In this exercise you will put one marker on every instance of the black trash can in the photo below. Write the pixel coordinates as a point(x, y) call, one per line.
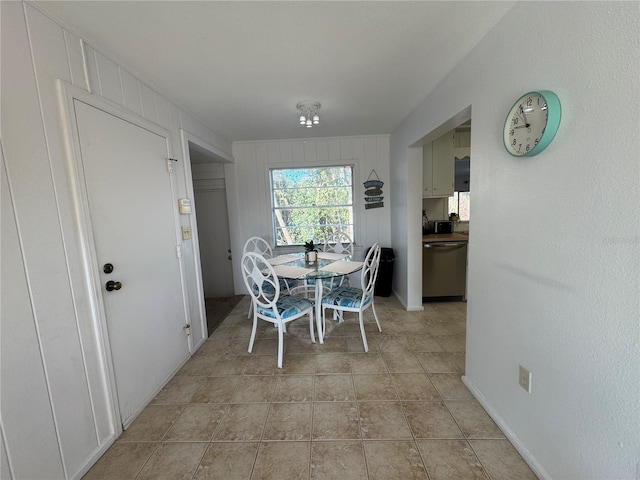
point(385, 273)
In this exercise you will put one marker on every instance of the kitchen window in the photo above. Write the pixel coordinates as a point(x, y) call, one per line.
point(311, 203)
point(460, 203)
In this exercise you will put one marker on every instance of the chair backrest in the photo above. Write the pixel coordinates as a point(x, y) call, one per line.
point(258, 245)
point(370, 270)
point(339, 242)
point(260, 279)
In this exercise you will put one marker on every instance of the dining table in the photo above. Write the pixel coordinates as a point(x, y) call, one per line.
point(328, 266)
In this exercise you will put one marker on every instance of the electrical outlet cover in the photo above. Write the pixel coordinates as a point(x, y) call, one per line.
point(525, 379)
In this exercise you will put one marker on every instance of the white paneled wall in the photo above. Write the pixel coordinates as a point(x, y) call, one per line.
point(251, 174)
point(55, 399)
point(27, 420)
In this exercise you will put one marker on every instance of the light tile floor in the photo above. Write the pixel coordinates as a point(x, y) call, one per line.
point(333, 412)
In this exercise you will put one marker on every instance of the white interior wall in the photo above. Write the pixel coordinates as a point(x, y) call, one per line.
point(47, 309)
point(250, 185)
point(553, 265)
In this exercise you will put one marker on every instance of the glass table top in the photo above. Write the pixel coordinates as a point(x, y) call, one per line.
point(317, 271)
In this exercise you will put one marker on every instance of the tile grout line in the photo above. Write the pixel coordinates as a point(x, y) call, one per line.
point(232, 352)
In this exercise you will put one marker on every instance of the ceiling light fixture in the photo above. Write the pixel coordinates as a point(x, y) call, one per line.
point(309, 113)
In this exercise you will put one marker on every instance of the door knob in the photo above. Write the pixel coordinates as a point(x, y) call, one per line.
point(111, 285)
point(229, 257)
point(107, 268)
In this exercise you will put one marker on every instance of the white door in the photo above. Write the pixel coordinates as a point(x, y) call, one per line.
point(132, 219)
point(215, 243)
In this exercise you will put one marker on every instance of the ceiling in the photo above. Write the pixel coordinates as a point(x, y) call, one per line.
point(241, 67)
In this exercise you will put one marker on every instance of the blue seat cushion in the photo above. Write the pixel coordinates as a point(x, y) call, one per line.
point(287, 282)
point(284, 283)
point(287, 306)
point(349, 297)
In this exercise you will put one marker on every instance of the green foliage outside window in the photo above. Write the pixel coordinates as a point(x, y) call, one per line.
point(311, 203)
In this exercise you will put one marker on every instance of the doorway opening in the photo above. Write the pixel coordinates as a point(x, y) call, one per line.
point(445, 154)
point(211, 232)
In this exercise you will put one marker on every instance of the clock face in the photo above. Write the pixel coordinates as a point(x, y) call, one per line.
point(531, 123)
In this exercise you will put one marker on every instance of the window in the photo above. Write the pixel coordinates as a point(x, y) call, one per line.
point(311, 203)
point(459, 204)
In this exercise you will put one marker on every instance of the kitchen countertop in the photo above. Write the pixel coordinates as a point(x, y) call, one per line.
point(445, 237)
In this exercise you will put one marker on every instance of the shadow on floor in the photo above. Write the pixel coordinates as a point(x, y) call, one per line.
point(218, 309)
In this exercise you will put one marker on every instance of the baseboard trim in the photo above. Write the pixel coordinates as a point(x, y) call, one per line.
point(512, 437)
point(416, 308)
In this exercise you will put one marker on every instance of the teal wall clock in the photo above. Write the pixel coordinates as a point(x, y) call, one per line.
point(531, 123)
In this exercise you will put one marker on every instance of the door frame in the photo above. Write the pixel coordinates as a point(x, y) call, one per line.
point(221, 157)
point(90, 277)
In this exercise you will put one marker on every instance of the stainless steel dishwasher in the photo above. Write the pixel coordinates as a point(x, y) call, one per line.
point(444, 269)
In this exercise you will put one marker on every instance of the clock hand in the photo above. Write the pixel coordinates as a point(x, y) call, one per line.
point(521, 115)
point(524, 116)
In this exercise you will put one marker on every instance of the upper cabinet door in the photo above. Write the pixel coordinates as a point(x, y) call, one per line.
point(427, 170)
point(438, 167)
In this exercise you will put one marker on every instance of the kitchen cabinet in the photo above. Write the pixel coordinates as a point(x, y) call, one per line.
point(438, 167)
point(462, 159)
point(462, 156)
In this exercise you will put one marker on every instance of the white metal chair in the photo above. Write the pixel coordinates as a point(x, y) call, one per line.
point(268, 304)
point(351, 299)
point(261, 246)
point(339, 242)
point(258, 245)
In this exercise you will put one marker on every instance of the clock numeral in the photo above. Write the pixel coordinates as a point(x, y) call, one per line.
point(513, 142)
point(512, 132)
point(528, 146)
